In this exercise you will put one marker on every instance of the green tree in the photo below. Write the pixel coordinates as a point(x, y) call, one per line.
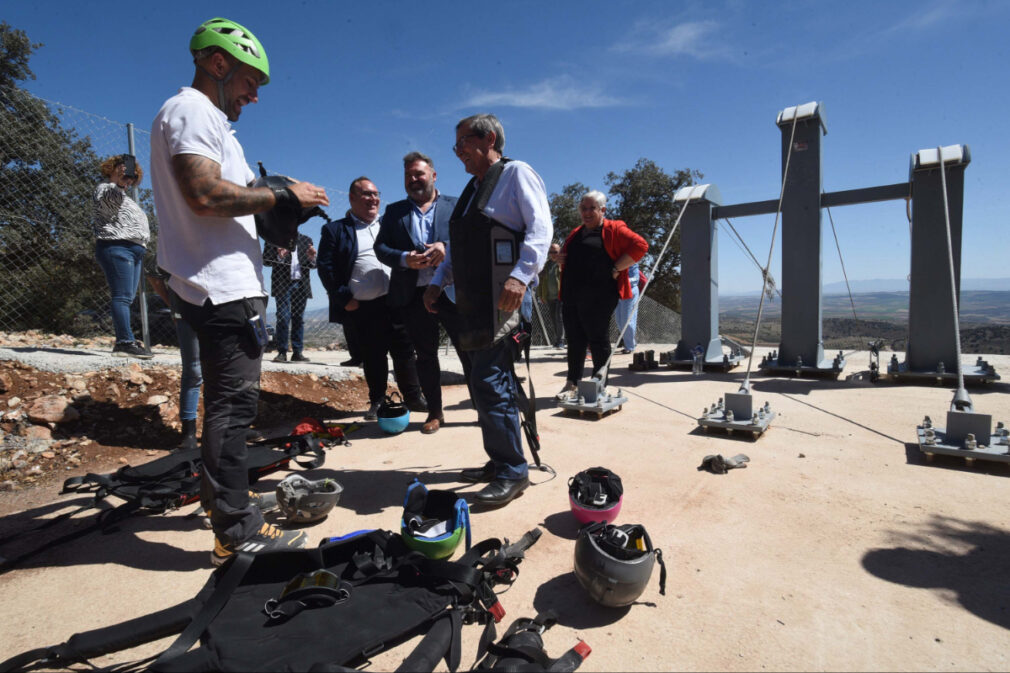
point(48, 174)
point(565, 210)
point(643, 197)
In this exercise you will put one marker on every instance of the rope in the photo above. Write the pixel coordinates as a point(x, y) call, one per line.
point(745, 387)
point(953, 285)
point(747, 250)
point(842, 262)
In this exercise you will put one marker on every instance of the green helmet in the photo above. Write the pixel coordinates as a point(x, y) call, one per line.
point(234, 39)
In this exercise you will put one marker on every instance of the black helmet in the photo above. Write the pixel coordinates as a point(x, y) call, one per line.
point(392, 414)
point(305, 501)
point(614, 563)
point(279, 225)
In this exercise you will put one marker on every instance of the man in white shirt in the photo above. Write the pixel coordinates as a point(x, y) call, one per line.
point(502, 222)
point(357, 283)
point(208, 244)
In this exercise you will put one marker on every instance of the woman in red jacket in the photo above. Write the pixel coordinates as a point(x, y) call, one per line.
point(594, 264)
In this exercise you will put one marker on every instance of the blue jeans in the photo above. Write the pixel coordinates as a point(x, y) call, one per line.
point(291, 309)
point(192, 375)
point(121, 261)
point(495, 395)
point(621, 316)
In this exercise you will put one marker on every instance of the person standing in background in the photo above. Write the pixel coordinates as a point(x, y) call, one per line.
point(291, 288)
point(121, 236)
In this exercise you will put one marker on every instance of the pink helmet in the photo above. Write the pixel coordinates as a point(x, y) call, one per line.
point(595, 494)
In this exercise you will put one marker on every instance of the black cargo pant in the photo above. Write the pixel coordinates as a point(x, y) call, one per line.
point(231, 359)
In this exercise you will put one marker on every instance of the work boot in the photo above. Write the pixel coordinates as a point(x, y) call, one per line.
point(298, 357)
point(269, 538)
point(282, 356)
point(188, 435)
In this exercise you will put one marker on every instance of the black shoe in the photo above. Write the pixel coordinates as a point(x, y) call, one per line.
point(419, 405)
point(188, 435)
point(353, 362)
point(373, 412)
point(478, 474)
point(282, 356)
point(501, 491)
point(298, 357)
point(131, 349)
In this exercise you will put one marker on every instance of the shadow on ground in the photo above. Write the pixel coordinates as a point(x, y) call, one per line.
point(952, 555)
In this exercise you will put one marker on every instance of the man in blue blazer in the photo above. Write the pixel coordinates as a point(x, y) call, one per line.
point(357, 284)
point(412, 241)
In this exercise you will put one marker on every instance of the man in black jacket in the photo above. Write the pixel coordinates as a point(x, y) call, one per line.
point(291, 288)
point(412, 242)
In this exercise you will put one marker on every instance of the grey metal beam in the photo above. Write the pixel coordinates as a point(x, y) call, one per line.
point(846, 197)
point(901, 190)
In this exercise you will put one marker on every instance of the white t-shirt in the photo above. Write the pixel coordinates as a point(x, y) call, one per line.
point(209, 257)
point(369, 276)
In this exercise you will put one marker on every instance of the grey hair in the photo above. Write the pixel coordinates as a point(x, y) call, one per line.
point(417, 156)
point(597, 196)
point(482, 124)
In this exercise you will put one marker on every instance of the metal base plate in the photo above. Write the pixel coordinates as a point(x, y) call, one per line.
point(592, 398)
point(737, 414)
point(938, 443)
point(824, 369)
point(727, 363)
point(979, 373)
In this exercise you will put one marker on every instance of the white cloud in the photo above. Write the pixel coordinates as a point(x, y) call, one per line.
point(696, 39)
point(556, 93)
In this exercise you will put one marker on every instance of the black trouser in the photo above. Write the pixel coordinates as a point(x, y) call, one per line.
point(587, 324)
point(422, 327)
point(230, 359)
point(557, 321)
point(381, 334)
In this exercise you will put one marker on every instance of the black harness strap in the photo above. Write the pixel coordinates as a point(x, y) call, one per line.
point(225, 586)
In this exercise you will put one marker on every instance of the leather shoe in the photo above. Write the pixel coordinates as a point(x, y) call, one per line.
point(353, 362)
point(282, 356)
point(431, 426)
point(297, 356)
point(478, 474)
point(501, 491)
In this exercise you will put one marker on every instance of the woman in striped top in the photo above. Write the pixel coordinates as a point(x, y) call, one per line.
point(122, 233)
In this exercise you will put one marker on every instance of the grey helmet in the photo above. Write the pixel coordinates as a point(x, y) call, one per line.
point(614, 563)
point(305, 501)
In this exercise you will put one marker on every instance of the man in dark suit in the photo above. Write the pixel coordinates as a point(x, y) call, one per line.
point(291, 288)
point(357, 284)
point(412, 242)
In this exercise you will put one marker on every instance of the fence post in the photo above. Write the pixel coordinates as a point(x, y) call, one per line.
point(142, 289)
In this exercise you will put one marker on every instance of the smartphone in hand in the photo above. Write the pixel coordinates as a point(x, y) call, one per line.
point(129, 166)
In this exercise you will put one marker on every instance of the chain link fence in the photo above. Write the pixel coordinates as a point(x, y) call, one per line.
point(49, 169)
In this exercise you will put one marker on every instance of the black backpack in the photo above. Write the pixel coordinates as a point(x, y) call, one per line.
point(312, 609)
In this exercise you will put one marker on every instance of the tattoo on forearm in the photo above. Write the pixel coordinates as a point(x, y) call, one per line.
point(207, 193)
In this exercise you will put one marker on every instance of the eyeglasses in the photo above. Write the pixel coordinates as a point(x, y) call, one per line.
point(369, 195)
point(459, 143)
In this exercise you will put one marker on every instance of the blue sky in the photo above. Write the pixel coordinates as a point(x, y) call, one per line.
point(585, 88)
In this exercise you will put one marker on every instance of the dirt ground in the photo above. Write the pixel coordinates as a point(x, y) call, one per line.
point(838, 548)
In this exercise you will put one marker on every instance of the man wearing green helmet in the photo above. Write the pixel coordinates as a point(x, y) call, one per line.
point(209, 245)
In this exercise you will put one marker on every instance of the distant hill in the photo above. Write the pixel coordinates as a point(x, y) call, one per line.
point(977, 307)
point(897, 285)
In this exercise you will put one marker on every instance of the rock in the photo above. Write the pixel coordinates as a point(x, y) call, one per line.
point(112, 392)
point(52, 409)
point(37, 432)
point(13, 402)
point(123, 460)
point(7, 485)
point(48, 454)
point(157, 400)
point(5, 383)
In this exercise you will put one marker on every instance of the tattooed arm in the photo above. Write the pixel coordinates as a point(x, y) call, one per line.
point(207, 193)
